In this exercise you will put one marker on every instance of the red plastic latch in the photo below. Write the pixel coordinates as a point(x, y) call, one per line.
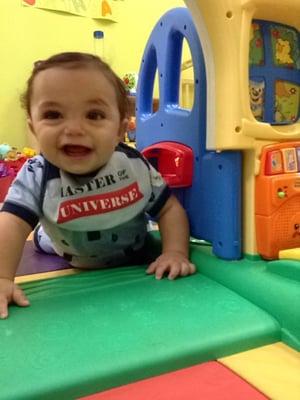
point(173, 160)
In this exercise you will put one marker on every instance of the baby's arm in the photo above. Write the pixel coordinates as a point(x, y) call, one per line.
point(174, 228)
point(13, 234)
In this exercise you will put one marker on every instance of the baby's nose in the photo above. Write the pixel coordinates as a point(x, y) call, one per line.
point(73, 127)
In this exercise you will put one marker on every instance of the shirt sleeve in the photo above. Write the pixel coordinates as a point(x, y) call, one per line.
point(160, 192)
point(24, 196)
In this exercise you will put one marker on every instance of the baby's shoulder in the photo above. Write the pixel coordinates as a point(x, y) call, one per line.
point(34, 163)
point(130, 153)
point(40, 169)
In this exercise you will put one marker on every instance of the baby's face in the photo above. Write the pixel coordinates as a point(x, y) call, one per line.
point(75, 118)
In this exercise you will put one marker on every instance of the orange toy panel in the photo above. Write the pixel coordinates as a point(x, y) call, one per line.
point(277, 199)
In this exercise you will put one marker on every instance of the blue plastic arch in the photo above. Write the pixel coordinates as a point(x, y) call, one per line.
point(213, 202)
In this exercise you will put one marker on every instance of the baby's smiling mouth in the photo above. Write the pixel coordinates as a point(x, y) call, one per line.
point(76, 150)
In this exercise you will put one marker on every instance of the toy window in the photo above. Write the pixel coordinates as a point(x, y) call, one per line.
point(256, 55)
point(187, 78)
point(274, 64)
point(287, 96)
point(257, 97)
point(285, 46)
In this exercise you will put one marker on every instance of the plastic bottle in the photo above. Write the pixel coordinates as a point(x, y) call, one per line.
point(99, 44)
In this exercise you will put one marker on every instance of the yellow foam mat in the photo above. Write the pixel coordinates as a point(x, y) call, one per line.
point(46, 275)
point(292, 254)
point(273, 369)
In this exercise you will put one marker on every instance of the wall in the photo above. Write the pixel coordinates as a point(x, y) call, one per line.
point(29, 34)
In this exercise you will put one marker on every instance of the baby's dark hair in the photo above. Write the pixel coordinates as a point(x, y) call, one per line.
point(74, 60)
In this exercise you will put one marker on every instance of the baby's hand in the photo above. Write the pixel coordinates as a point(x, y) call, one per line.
point(10, 293)
point(173, 263)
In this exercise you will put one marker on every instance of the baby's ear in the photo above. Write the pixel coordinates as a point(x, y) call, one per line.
point(124, 124)
point(123, 129)
point(30, 125)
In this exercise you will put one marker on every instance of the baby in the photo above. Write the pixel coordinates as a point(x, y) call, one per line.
point(90, 192)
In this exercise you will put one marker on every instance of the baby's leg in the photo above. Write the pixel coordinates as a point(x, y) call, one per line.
point(42, 241)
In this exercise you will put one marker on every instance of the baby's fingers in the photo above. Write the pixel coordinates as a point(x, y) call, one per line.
point(174, 271)
point(3, 307)
point(184, 269)
point(151, 268)
point(189, 269)
point(19, 297)
point(173, 268)
point(158, 268)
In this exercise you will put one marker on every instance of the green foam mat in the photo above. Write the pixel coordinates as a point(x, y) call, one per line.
point(274, 286)
point(92, 331)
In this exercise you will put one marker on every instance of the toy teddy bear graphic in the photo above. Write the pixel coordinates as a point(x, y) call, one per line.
point(256, 91)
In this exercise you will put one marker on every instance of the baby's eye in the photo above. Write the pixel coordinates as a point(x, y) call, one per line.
point(95, 115)
point(51, 114)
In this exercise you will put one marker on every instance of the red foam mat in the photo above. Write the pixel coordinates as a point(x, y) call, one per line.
point(209, 381)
